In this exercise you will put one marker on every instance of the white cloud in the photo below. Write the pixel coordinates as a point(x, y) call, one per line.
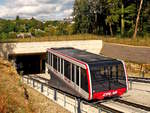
point(40, 9)
point(68, 11)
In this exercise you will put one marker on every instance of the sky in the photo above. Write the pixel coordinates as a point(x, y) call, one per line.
point(39, 9)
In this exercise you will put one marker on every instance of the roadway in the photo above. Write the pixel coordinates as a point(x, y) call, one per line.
point(128, 53)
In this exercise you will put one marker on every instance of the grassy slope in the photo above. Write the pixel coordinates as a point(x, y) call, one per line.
point(138, 42)
point(12, 99)
point(11, 91)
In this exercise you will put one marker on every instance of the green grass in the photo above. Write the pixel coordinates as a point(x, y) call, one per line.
point(129, 41)
point(53, 38)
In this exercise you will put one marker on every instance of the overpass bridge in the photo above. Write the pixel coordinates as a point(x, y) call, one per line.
point(30, 56)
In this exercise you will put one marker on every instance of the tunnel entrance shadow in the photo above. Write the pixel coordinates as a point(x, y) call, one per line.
point(29, 63)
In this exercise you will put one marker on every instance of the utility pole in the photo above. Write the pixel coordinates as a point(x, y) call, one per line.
point(137, 20)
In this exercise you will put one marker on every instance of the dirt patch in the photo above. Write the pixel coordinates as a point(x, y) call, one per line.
point(11, 91)
point(44, 105)
point(138, 70)
point(13, 95)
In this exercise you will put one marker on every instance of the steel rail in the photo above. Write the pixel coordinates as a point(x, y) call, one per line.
point(146, 108)
point(139, 79)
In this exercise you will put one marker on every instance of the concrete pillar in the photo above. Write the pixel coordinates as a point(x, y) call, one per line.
point(130, 85)
point(42, 57)
point(55, 95)
point(41, 64)
point(33, 84)
point(42, 87)
point(79, 107)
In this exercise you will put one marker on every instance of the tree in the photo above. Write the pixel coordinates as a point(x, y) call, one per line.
point(17, 17)
point(122, 18)
point(146, 18)
point(137, 20)
point(113, 15)
point(82, 16)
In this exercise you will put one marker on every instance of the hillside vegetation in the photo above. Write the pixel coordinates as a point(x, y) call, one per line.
point(11, 91)
point(100, 17)
point(129, 41)
point(14, 99)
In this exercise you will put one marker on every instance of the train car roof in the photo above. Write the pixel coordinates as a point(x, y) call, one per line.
point(85, 56)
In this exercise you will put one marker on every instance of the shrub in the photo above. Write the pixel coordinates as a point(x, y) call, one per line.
point(40, 33)
point(3, 35)
point(12, 35)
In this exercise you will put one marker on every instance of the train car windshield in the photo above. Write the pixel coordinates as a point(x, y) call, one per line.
point(108, 77)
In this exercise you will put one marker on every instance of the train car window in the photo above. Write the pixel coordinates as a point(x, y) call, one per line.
point(77, 75)
point(51, 61)
point(99, 73)
point(120, 72)
point(48, 60)
point(58, 64)
point(61, 66)
point(107, 72)
point(47, 57)
point(73, 72)
point(116, 72)
point(107, 77)
point(113, 71)
point(67, 69)
point(84, 80)
point(80, 77)
point(121, 76)
point(55, 62)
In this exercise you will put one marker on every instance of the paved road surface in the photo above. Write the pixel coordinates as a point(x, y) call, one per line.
point(128, 53)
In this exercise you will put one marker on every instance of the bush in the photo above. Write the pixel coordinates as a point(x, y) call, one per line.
point(40, 33)
point(52, 30)
point(3, 35)
point(12, 35)
point(69, 29)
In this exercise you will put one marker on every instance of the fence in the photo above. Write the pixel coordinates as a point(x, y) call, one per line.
point(69, 102)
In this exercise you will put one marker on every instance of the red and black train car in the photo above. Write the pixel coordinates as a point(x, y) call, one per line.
point(86, 75)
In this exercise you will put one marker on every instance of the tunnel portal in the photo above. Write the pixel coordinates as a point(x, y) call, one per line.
point(29, 63)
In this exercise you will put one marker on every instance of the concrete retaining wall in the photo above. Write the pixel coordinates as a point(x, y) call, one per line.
point(71, 104)
point(93, 46)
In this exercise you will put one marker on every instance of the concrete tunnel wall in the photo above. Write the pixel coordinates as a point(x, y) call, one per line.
point(29, 57)
point(6, 49)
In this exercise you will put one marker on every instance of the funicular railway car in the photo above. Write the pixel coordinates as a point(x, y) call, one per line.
point(86, 75)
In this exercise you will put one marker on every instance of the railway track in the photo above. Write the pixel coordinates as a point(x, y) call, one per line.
point(124, 107)
point(108, 107)
point(146, 108)
point(139, 79)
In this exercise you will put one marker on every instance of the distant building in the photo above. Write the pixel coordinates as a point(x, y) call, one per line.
point(69, 19)
point(24, 35)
